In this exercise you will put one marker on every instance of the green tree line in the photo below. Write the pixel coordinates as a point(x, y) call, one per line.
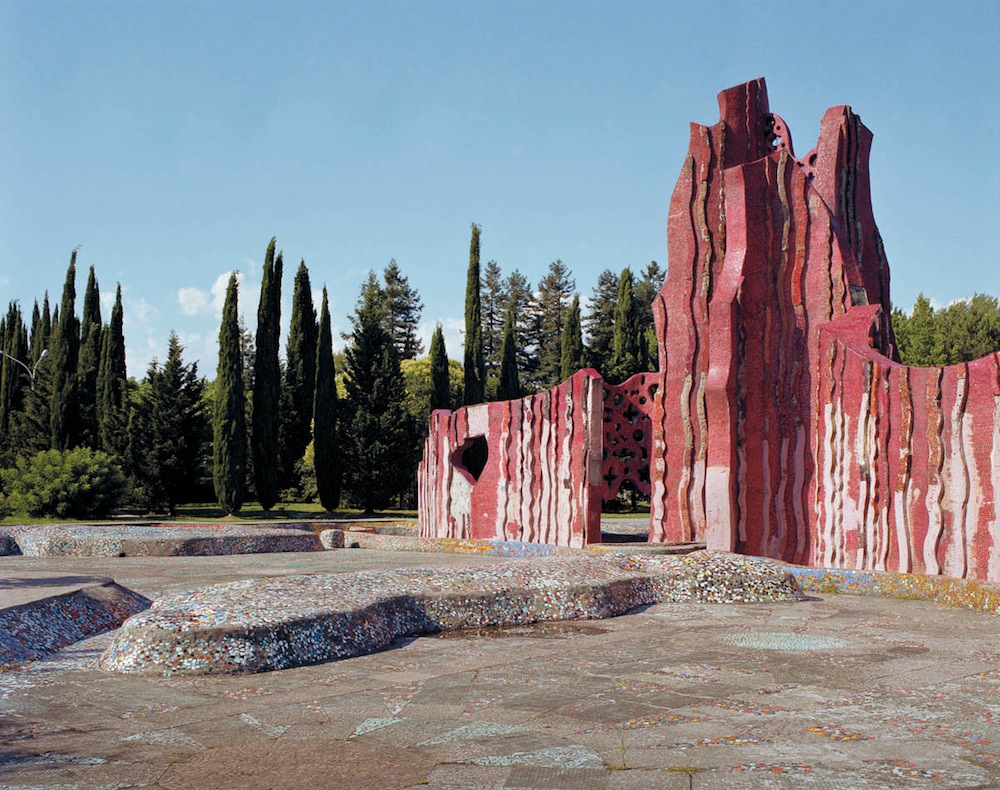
point(962, 331)
point(344, 429)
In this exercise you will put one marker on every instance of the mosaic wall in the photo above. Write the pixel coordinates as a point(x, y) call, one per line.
point(541, 481)
point(781, 424)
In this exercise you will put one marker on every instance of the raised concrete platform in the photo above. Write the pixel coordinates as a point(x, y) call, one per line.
point(154, 540)
point(840, 691)
point(263, 625)
point(357, 537)
point(42, 612)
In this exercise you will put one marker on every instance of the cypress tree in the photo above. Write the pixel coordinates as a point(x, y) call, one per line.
point(440, 375)
point(6, 369)
point(267, 383)
point(65, 355)
point(475, 379)
point(15, 376)
point(300, 379)
point(627, 356)
point(379, 434)
point(46, 322)
point(572, 341)
point(510, 384)
point(229, 433)
point(325, 449)
point(89, 363)
point(517, 298)
point(40, 330)
point(35, 345)
point(112, 405)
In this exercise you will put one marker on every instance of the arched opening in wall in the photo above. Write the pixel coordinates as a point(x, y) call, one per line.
point(625, 519)
point(471, 456)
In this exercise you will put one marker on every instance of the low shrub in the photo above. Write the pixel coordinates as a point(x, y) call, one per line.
point(80, 483)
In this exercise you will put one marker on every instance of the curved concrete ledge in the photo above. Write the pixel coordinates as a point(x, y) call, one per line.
point(277, 623)
point(401, 540)
point(38, 627)
point(961, 593)
point(153, 540)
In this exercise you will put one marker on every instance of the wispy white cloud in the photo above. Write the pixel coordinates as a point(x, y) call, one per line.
point(107, 303)
point(193, 301)
point(453, 330)
point(142, 310)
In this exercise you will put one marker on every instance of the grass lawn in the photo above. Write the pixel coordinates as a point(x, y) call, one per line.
point(209, 512)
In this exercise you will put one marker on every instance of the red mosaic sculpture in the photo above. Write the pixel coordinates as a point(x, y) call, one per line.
point(542, 479)
point(781, 423)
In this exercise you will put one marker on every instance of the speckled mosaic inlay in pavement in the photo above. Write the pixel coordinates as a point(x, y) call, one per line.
point(836, 691)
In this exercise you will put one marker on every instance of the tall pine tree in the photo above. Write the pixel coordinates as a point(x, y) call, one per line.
point(572, 341)
point(326, 459)
point(600, 322)
point(510, 383)
point(517, 299)
point(169, 432)
point(89, 364)
point(377, 430)
point(112, 383)
point(548, 311)
point(404, 308)
point(474, 390)
point(299, 384)
point(491, 303)
point(229, 433)
point(267, 383)
point(440, 375)
point(65, 353)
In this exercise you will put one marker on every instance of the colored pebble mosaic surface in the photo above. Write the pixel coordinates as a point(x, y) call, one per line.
point(36, 629)
point(277, 623)
point(963, 593)
point(142, 540)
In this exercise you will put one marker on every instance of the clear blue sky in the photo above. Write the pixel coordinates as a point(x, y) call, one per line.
point(172, 139)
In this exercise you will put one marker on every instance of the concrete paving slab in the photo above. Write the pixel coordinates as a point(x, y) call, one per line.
point(674, 696)
point(30, 586)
